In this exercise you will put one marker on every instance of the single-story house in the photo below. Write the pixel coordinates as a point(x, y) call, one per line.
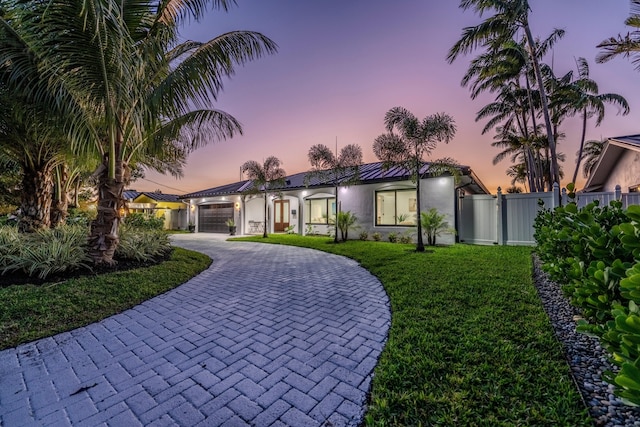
point(619, 164)
point(384, 201)
point(167, 206)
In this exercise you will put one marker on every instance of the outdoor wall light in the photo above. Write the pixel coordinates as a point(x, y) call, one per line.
point(304, 193)
point(237, 206)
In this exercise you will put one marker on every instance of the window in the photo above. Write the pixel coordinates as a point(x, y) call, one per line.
point(316, 210)
point(396, 207)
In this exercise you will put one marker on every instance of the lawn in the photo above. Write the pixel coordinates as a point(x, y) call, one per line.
point(29, 312)
point(469, 342)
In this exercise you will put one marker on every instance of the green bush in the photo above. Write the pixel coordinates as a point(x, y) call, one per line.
point(46, 252)
point(143, 221)
point(364, 235)
point(346, 221)
point(393, 237)
point(433, 225)
point(376, 236)
point(142, 244)
point(595, 253)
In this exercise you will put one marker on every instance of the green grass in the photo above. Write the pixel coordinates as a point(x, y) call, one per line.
point(469, 342)
point(29, 312)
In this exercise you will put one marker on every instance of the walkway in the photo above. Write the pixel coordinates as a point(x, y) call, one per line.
point(267, 336)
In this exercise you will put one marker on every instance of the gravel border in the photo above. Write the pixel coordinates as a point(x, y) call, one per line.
point(587, 359)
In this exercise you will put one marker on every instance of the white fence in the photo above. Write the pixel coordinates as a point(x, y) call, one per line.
point(507, 219)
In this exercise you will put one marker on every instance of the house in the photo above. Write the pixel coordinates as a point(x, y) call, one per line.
point(619, 164)
point(384, 201)
point(167, 206)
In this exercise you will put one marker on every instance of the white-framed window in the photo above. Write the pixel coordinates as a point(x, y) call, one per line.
point(396, 207)
point(318, 211)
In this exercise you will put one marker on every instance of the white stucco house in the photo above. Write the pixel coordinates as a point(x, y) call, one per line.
point(619, 164)
point(383, 201)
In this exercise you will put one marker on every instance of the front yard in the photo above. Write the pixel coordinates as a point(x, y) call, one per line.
point(469, 342)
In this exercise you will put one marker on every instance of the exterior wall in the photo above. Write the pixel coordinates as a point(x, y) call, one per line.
point(173, 213)
point(626, 172)
point(434, 192)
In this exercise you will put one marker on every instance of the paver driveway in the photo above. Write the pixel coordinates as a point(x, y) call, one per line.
point(267, 336)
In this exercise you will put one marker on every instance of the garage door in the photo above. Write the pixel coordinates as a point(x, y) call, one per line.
point(212, 218)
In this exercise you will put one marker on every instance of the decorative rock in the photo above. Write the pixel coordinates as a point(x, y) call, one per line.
point(586, 357)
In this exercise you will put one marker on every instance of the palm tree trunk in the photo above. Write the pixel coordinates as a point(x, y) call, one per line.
point(420, 244)
point(579, 159)
point(35, 202)
point(553, 169)
point(266, 220)
point(335, 219)
point(60, 202)
point(103, 238)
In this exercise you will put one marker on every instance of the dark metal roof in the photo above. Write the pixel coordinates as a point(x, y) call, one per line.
point(130, 194)
point(223, 190)
point(369, 173)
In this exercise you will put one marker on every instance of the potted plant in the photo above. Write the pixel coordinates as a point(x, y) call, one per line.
point(232, 226)
point(191, 227)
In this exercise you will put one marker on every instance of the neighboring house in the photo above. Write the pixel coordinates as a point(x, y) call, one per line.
point(383, 201)
point(619, 164)
point(166, 206)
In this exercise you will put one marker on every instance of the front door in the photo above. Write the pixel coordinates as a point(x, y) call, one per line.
point(281, 215)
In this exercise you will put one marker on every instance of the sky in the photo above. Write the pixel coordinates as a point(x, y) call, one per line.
point(342, 64)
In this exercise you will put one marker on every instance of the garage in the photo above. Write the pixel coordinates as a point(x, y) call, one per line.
point(212, 218)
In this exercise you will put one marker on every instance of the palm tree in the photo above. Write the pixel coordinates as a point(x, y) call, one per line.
point(510, 17)
point(129, 85)
point(583, 98)
point(628, 45)
point(266, 177)
point(415, 140)
point(591, 154)
point(338, 170)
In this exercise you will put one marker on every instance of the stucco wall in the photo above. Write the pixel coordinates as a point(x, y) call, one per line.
point(626, 172)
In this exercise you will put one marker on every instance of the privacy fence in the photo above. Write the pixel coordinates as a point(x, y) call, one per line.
point(507, 219)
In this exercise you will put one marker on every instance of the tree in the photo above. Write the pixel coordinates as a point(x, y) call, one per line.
point(266, 178)
point(337, 170)
point(127, 84)
point(415, 140)
point(583, 98)
point(628, 45)
point(434, 225)
point(510, 17)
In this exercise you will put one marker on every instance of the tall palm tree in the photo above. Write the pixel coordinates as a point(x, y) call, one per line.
point(130, 85)
point(628, 45)
point(266, 178)
point(582, 98)
point(511, 16)
point(415, 140)
point(341, 169)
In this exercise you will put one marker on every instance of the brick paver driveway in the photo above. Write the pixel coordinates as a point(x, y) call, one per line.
point(267, 336)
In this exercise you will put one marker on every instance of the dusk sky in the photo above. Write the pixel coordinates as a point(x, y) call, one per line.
point(342, 64)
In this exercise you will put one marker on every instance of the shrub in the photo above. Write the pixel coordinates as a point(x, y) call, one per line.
point(364, 235)
point(406, 238)
point(142, 244)
point(346, 220)
point(45, 252)
point(80, 216)
point(595, 253)
point(376, 236)
point(143, 221)
point(433, 225)
point(393, 237)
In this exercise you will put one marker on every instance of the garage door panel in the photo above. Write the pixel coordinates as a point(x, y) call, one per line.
point(212, 218)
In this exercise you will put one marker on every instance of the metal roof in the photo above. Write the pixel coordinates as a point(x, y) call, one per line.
point(158, 197)
point(368, 173)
